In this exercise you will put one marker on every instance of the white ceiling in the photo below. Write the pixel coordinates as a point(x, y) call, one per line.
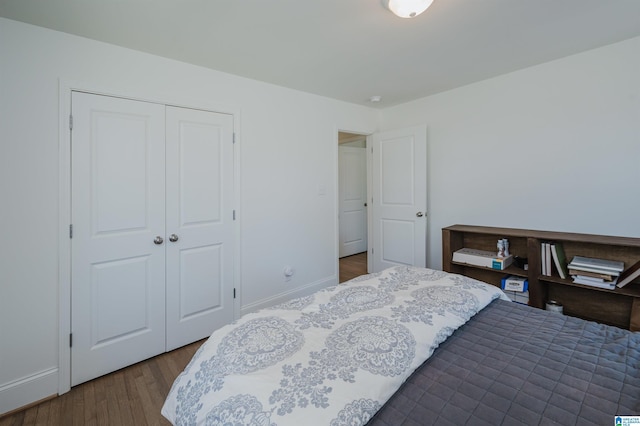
point(345, 49)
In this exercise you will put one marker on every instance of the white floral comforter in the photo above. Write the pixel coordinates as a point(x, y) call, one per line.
point(332, 358)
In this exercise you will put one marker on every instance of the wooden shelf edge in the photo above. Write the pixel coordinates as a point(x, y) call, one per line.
point(548, 235)
point(511, 270)
point(630, 290)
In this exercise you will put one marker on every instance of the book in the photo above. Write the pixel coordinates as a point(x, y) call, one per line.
point(606, 277)
point(573, 267)
point(593, 270)
point(545, 258)
point(559, 260)
point(600, 264)
point(629, 274)
point(588, 279)
point(488, 259)
point(581, 280)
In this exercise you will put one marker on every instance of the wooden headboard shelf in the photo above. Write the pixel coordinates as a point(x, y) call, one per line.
point(619, 307)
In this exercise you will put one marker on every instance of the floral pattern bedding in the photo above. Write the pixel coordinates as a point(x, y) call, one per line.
point(331, 358)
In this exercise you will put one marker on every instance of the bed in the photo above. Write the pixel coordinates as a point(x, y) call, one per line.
point(408, 346)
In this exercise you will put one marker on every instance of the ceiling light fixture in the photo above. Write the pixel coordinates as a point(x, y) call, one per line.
point(408, 8)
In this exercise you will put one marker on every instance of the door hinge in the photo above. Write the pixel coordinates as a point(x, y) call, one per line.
point(234, 293)
point(71, 231)
point(234, 138)
point(70, 122)
point(371, 250)
point(70, 340)
point(234, 215)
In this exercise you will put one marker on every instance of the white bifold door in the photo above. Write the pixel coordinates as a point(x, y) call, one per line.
point(152, 242)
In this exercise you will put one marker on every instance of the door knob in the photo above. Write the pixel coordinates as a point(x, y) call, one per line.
point(173, 238)
point(419, 214)
point(158, 240)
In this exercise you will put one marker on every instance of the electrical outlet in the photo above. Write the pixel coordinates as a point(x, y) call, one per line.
point(288, 273)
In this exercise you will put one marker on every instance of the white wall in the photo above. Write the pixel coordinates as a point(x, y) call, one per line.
point(288, 149)
point(552, 147)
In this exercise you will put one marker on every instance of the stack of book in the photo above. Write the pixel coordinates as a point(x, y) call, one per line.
point(595, 272)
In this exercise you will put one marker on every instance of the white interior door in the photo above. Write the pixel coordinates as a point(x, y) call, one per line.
point(199, 224)
point(352, 180)
point(118, 209)
point(399, 193)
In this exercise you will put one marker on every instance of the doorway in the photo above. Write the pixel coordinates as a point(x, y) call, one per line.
point(352, 216)
point(395, 201)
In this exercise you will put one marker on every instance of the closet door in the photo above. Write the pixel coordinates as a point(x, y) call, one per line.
point(118, 217)
point(199, 224)
point(352, 191)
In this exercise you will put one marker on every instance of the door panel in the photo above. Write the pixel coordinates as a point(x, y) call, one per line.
point(107, 289)
point(199, 213)
point(395, 234)
point(200, 280)
point(352, 178)
point(198, 163)
point(119, 171)
point(397, 172)
point(399, 192)
point(117, 287)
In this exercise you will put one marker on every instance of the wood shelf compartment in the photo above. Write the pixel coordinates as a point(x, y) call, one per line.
point(619, 307)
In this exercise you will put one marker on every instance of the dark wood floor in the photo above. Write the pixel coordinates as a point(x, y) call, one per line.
point(353, 266)
point(133, 395)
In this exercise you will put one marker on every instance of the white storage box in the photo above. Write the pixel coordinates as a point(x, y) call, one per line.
point(488, 259)
point(512, 283)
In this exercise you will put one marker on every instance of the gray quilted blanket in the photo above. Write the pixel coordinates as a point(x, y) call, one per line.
point(516, 365)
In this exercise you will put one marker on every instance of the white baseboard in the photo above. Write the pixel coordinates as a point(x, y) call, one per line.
point(28, 389)
point(286, 296)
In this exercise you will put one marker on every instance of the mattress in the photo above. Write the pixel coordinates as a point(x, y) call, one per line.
point(330, 358)
point(515, 365)
point(409, 346)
